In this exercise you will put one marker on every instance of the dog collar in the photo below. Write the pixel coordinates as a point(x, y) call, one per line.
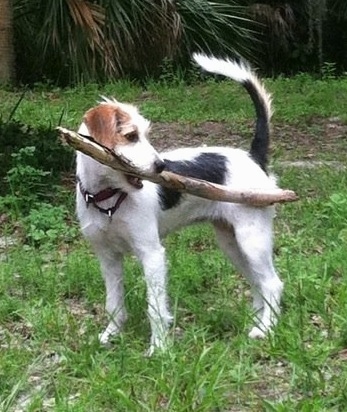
point(94, 199)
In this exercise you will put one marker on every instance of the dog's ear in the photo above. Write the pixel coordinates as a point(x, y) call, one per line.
point(110, 126)
point(125, 127)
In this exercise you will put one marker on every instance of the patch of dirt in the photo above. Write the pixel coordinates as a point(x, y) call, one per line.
point(316, 138)
point(165, 136)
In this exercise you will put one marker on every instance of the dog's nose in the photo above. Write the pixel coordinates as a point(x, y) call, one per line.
point(159, 166)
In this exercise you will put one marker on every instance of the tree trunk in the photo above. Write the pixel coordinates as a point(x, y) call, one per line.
point(6, 42)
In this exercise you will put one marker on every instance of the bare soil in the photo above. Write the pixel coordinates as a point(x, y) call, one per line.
point(316, 139)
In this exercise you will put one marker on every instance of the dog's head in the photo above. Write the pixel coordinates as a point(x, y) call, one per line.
point(122, 129)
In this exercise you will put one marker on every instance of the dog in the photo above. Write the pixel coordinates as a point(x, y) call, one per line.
point(121, 214)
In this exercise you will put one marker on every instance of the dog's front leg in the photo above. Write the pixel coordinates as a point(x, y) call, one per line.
point(112, 272)
point(154, 265)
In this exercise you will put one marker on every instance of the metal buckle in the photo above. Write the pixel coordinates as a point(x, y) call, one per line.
point(88, 198)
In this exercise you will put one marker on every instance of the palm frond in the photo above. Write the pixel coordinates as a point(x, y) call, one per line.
point(141, 33)
point(72, 31)
point(81, 40)
point(215, 26)
point(65, 34)
point(279, 20)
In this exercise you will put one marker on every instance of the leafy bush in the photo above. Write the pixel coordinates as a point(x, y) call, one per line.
point(27, 184)
point(50, 155)
point(84, 41)
point(26, 203)
point(47, 224)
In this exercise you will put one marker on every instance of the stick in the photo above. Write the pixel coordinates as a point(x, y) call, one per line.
point(196, 187)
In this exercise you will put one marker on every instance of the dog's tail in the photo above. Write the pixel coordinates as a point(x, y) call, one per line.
point(243, 74)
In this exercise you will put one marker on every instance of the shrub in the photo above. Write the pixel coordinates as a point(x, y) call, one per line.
point(49, 154)
point(47, 224)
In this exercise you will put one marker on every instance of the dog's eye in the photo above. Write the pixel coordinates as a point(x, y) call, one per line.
point(132, 137)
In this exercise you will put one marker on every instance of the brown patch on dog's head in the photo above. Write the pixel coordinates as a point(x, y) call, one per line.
point(110, 126)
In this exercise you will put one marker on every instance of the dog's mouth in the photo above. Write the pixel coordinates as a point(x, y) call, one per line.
point(134, 181)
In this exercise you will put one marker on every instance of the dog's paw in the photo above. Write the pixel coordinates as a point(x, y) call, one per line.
point(111, 331)
point(153, 350)
point(158, 345)
point(106, 336)
point(104, 339)
point(150, 351)
point(257, 333)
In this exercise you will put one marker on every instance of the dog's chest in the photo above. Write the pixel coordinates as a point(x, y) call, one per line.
point(103, 231)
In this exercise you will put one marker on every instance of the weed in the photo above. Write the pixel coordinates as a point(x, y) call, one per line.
point(26, 183)
point(37, 147)
point(335, 212)
point(172, 74)
point(336, 208)
point(30, 188)
point(46, 224)
point(328, 71)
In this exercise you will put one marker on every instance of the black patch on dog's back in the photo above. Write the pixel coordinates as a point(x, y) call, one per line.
point(207, 166)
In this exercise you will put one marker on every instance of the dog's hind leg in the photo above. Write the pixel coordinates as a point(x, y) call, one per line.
point(112, 271)
point(254, 238)
point(226, 240)
point(249, 246)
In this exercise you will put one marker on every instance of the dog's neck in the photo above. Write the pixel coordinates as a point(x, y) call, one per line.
point(96, 177)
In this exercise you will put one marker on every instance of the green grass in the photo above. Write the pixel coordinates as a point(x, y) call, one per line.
point(51, 298)
point(295, 100)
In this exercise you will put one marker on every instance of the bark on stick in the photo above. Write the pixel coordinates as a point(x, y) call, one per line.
point(174, 181)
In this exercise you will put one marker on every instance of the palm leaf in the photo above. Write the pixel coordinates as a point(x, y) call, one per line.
point(279, 20)
point(215, 27)
point(72, 30)
point(140, 33)
point(80, 40)
point(64, 33)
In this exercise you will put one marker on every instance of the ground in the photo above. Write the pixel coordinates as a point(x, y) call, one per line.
point(315, 140)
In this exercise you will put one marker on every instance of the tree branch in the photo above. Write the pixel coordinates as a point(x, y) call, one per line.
point(174, 181)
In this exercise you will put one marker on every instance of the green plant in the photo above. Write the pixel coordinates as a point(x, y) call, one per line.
point(97, 40)
point(337, 207)
point(47, 224)
point(328, 71)
point(29, 190)
point(26, 183)
point(50, 155)
point(335, 213)
point(170, 73)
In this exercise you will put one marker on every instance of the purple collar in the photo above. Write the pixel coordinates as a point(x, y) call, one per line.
point(104, 194)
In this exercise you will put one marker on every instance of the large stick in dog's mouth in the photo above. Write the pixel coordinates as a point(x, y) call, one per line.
point(193, 186)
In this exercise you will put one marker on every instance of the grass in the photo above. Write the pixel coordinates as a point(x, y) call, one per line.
point(51, 297)
point(296, 100)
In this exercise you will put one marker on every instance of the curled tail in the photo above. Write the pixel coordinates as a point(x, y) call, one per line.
point(242, 73)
